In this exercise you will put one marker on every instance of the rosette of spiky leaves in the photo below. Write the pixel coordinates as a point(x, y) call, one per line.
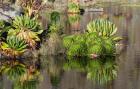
point(73, 7)
point(13, 46)
point(25, 22)
point(26, 28)
point(14, 70)
point(102, 71)
point(103, 27)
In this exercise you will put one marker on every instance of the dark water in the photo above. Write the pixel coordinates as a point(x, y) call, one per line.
point(55, 76)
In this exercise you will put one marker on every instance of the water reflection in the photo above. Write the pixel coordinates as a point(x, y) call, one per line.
point(101, 71)
point(22, 76)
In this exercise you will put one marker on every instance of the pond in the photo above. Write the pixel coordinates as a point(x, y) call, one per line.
point(64, 72)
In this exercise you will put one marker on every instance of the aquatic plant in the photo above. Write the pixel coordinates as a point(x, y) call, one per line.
point(26, 28)
point(13, 46)
point(73, 7)
point(102, 27)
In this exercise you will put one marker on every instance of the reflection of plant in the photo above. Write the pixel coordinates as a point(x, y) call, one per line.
point(27, 81)
point(73, 7)
point(74, 63)
point(27, 29)
point(73, 18)
point(14, 46)
point(102, 70)
point(13, 70)
point(55, 80)
point(32, 84)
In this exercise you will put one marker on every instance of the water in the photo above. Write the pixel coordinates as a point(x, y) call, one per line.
point(54, 73)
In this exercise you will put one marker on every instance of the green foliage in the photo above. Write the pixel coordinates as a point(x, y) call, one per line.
point(26, 28)
point(55, 25)
point(88, 43)
point(98, 40)
point(73, 7)
point(3, 28)
point(54, 28)
point(73, 18)
point(2, 25)
point(14, 43)
point(25, 22)
point(102, 27)
point(55, 17)
point(75, 45)
point(13, 46)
